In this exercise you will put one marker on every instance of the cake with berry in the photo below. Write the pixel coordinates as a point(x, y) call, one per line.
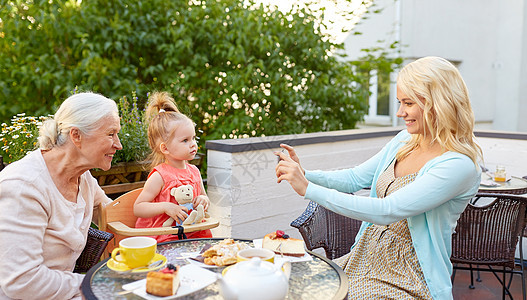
point(164, 282)
point(281, 243)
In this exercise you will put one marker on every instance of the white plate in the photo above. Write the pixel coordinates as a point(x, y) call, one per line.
point(190, 255)
point(488, 183)
point(192, 279)
point(202, 265)
point(258, 244)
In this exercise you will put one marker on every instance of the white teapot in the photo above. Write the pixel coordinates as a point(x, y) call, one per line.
point(255, 280)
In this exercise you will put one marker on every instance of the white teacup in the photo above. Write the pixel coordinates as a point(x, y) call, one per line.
point(263, 254)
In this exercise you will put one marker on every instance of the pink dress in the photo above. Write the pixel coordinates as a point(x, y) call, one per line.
point(173, 177)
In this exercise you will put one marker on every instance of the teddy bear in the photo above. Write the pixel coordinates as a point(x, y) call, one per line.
point(184, 195)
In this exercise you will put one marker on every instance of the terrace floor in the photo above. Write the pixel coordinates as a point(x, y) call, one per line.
point(489, 287)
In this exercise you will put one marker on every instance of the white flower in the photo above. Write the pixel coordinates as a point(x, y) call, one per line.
point(237, 104)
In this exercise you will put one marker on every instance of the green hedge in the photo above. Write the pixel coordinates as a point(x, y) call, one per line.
point(237, 72)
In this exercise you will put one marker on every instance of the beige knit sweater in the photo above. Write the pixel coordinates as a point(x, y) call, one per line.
point(39, 241)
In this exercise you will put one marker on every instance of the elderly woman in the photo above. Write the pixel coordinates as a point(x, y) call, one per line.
point(421, 182)
point(47, 199)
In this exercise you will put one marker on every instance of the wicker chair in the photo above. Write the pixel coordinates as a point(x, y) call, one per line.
point(95, 245)
point(487, 236)
point(323, 228)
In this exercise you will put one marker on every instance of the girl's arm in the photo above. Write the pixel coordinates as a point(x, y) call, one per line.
point(202, 198)
point(145, 208)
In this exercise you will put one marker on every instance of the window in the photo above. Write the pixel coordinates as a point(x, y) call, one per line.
point(381, 86)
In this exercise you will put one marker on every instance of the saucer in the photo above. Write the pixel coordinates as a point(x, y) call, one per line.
point(122, 267)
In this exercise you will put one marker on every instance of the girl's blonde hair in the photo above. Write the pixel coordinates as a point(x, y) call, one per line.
point(160, 111)
point(437, 87)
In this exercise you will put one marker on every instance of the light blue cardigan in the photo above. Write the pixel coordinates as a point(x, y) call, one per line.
point(432, 204)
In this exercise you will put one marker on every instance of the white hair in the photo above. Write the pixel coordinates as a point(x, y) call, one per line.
point(82, 111)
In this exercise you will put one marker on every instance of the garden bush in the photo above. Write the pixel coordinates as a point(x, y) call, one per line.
point(236, 71)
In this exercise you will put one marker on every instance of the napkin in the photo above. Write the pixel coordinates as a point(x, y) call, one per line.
point(488, 183)
point(199, 257)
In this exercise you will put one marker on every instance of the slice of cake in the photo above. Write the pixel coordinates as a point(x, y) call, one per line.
point(281, 243)
point(224, 253)
point(163, 283)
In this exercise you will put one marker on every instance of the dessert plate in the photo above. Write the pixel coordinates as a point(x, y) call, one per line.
point(258, 244)
point(192, 279)
point(122, 267)
point(203, 265)
point(489, 183)
point(196, 259)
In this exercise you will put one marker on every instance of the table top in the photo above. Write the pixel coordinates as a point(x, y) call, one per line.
point(319, 278)
point(516, 185)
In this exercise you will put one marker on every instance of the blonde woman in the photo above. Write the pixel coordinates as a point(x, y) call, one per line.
point(421, 182)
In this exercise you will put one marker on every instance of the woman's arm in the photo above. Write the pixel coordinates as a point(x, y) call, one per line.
point(25, 217)
point(346, 180)
point(443, 180)
point(98, 198)
point(145, 208)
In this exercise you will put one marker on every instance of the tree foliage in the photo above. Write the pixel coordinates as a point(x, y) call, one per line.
point(236, 69)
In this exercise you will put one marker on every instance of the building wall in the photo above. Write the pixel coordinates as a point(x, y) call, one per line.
point(488, 41)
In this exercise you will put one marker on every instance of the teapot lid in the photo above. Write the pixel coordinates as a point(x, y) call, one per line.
point(255, 266)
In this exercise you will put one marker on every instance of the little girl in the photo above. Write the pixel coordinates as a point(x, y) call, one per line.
point(172, 138)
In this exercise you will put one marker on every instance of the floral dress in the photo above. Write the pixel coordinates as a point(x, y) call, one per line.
point(383, 264)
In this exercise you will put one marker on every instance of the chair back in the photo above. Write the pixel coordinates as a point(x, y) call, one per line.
point(121, 209)
point(119, 219)
point(95, 244)
point(324, 228)
point(489, 234)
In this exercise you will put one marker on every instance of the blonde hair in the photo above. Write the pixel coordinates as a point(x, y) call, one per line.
point(82, 111)
point(160, 111)
point(437, 87)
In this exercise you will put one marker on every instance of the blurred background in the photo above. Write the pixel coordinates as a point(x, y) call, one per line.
point(253, 68)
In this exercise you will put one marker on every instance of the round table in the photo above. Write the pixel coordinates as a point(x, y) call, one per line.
point(515, 185)
point(319, 278)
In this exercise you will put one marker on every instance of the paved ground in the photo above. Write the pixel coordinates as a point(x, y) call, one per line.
point(488, 289)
